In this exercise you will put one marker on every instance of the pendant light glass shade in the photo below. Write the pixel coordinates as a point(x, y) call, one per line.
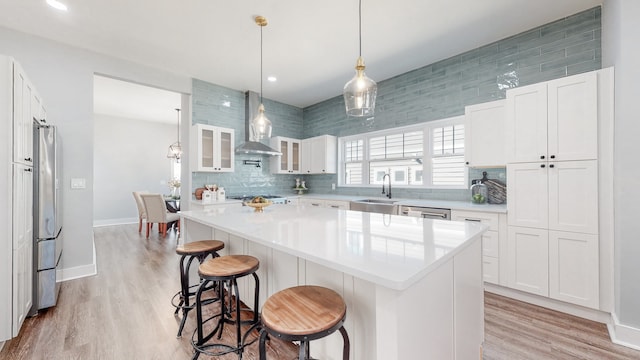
point(260, 126)
point(360, 92)
point(175, 149)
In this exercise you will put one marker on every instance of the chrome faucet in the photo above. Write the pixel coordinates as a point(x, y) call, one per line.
point(389, 192)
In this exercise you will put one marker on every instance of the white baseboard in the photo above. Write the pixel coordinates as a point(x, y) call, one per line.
point(110, 222)
point(1, 345)
point(567, 308)
point(78, 271)
point(623, 334)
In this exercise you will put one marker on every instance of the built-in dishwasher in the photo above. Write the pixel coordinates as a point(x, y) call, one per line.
point(425, 212)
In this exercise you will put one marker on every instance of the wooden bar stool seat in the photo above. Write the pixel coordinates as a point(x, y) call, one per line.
point(303, 313)
point(197, 250)
point(226, 270)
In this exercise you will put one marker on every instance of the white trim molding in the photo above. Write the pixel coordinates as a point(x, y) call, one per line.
point(110, 222)
point(623, 334)
point(79, 271)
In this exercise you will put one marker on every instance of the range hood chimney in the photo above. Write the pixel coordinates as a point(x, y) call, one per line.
point(252, 145)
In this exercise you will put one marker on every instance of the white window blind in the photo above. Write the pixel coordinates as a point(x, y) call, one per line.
point(353, 161)
point(424, 155)
point(447, 156)
point(397, 155)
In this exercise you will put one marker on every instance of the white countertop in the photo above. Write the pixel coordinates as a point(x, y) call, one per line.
point(388, 250)
point(445, 204)
point(215, 202)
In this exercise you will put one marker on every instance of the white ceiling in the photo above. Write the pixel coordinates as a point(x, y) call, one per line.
point(310, 46)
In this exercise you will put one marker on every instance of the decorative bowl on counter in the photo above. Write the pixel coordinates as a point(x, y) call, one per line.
point(258, 207)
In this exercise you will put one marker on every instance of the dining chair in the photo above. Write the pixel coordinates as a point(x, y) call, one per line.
point(156, 212)
point(142, 214)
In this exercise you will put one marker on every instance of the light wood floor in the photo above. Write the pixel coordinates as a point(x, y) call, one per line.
point(124, 313)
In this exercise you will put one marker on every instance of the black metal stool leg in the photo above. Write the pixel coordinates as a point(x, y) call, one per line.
point(256, 298)
point(199, 316)
point(262, 346)
point(238, 320)
point(184, 302)
point(181, 265)
point(345, 341)
point(304, 350)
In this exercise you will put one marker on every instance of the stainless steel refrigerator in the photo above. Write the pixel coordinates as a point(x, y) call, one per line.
point(47, 219)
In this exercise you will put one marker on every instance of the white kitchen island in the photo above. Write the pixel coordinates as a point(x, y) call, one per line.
point(413, 287)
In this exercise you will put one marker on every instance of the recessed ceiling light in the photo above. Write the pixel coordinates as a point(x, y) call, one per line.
point(57, 5)
point(272, 78)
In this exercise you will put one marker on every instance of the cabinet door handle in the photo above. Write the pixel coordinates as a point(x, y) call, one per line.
point(28, 169)
point(551, 166)
point(335, 206)
point(28, 159)
point(541, 157)
point(466, 163)
point(542, 165)
point(476, 220)
point(552, 156)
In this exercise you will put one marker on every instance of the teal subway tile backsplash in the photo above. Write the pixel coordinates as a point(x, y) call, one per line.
point(564, 47)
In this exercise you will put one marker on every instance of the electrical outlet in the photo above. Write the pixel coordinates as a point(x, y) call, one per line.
point(333, 186)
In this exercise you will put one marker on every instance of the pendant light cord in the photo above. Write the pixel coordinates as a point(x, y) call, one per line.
point(360, 25)
point(261, 64)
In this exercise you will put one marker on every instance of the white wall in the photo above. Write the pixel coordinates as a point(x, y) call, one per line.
point(129, 155)
point(620, 35)
point(63, 76)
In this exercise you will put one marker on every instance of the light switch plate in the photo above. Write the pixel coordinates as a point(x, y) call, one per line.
point(78, 183)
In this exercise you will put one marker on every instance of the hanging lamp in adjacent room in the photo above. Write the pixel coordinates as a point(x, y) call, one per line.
point(360, 92)
point(260, 126)
point(175, 149)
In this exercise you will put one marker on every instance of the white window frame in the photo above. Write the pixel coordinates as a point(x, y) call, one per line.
point(427, 128)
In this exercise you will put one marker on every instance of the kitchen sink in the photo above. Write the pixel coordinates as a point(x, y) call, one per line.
point(376, 201)
point(381, 206)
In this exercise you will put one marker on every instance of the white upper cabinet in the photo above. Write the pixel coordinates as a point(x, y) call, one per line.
point(555, 120)
point(212, 148)
point(527, 123)
point(485, 134)
point(316, 155)
point(323, 154)
point(573, 118)
point(26, 105)
point(289, 161)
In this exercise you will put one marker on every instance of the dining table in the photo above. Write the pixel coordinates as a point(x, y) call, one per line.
point(173, 205)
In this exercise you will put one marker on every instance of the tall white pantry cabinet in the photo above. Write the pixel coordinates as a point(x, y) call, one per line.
point(553, 145)
point(20, 106)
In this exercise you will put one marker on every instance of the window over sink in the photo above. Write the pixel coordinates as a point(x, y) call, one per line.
point(427, 155)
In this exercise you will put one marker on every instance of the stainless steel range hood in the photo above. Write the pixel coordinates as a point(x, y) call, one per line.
point(253, 146)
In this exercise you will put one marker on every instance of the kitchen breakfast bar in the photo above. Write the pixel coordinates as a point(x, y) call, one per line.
point(413, 286)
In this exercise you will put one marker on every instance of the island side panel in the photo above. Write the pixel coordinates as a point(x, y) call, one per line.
point(329, 347)
point(469, 302)
point(417, 323)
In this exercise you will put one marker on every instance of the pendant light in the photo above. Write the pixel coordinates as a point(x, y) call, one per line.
point(175, 149)
point(360, 92)
point(260, 126)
